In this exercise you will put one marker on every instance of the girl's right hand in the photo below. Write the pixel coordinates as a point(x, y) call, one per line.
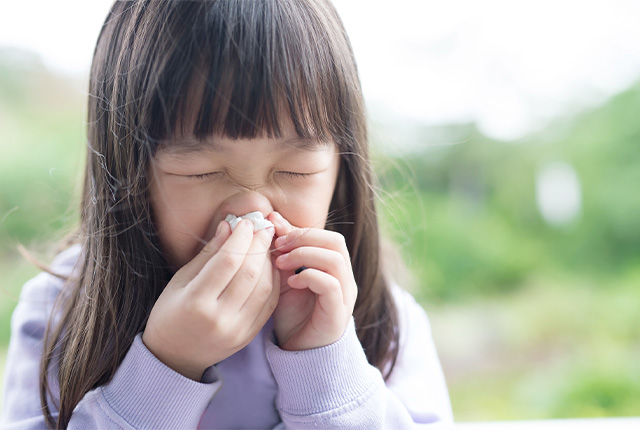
point(215, 304)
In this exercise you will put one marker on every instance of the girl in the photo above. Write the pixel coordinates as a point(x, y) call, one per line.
point(167, 318)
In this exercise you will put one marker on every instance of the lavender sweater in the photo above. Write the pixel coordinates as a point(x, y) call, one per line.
point(259, 387)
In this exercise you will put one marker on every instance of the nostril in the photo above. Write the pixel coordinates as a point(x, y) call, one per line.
point(242, 203)
point(257, 218)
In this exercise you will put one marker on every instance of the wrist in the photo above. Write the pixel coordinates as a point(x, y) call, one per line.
point(332, 376)
point(191, 371)
point(143, 377)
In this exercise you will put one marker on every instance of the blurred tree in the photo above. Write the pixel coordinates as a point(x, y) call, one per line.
point(483, 232)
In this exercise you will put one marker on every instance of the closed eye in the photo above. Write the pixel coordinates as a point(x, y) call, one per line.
point(294, 175)
point(203, 176)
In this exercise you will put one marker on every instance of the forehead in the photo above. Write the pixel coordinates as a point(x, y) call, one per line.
point(190, 146)
point(186, 142)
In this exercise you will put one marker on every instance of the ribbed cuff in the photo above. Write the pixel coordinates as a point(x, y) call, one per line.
point(148, 394)
point(322, 379)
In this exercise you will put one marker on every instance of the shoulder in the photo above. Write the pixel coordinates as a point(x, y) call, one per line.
point(44, 288)
point(66, 263)
point(417, 377)
point(410, 312)
point(414, 329)
point(28, 330)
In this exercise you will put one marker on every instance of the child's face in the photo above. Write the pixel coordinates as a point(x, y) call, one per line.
point(192, 192)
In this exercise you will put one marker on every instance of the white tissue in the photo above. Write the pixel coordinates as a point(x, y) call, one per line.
point(256, 218)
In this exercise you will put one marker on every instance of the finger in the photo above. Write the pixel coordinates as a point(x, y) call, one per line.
point(222, 267)
point(327, 260)
point(193, 267)
point(312, 237)
point(329, 298)
point(259, 308)
point(252, 272)
point(282, 226)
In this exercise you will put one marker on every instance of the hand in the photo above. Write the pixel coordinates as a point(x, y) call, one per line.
point(315, 305)
point(215, 304)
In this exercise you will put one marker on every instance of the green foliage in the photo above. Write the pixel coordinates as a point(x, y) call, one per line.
point(481, 230)
point(41, 139)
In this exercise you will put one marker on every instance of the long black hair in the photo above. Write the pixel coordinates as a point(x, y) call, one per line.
point(253, 62)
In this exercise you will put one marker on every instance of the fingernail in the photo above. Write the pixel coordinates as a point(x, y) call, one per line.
point(248, 223)
point(271, 231)
point(273, 217)
point(282, 258)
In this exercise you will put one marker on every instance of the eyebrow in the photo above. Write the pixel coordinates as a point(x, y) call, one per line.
point(191, 146)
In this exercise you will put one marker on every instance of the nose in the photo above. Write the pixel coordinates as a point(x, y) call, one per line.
point(244, 202)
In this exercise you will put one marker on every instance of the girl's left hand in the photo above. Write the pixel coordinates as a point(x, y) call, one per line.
point(315, 305)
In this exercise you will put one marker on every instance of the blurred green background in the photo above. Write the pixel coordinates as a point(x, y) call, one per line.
point(532, 319)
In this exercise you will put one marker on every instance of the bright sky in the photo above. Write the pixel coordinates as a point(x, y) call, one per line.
point(508, 65)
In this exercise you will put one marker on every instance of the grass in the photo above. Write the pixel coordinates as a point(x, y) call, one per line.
point(553, 349)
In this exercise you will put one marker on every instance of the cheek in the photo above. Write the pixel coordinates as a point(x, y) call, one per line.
point(309, 207)
point(183, 220)
point(305, 213)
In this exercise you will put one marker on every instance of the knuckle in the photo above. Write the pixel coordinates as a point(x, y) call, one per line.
point(295, 235)
point(337, 259)
point(339, 240)
point(302, 231)
point(207, 250)
point(335, 286)
point(198, 311)
point(314, 275)
point(297, 255)
point(191, 307)
point(265, 237)
point(251, 273)
point(220, 325)
point(247, 232)
point(228, 259)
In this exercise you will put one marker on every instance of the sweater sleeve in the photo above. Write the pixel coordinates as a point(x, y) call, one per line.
point(335, 387)
point(144, 393)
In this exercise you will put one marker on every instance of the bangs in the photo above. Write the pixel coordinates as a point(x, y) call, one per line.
point(243, 69)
